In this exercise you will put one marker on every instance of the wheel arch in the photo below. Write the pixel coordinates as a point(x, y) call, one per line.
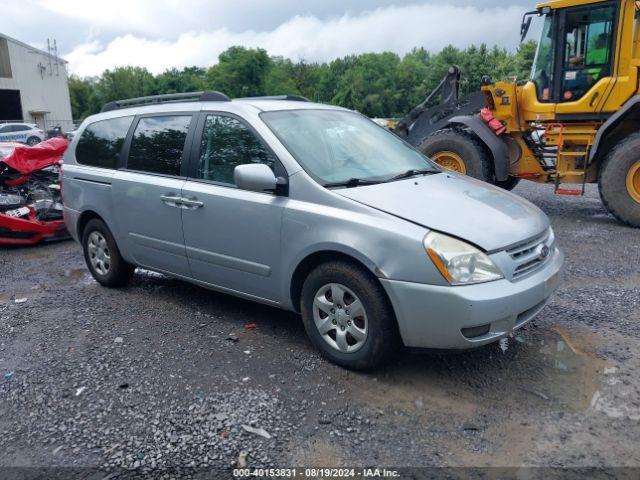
point(84, 218)
point(313, 260)
point(619, 126)
point(494, 144)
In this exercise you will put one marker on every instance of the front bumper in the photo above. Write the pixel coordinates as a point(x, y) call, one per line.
point(431, 316)
point(29, 231)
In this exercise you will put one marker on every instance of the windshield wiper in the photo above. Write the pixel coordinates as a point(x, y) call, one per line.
point(352, 183)
point(412, 173)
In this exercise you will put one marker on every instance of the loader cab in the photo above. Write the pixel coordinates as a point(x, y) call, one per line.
point(573, 66)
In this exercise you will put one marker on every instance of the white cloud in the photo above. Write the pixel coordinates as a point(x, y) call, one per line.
point(393, 28)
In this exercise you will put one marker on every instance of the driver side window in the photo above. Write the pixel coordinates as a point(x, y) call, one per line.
point(587, 52)
point(227, 143)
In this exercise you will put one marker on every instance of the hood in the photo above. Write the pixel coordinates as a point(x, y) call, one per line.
point(26, 160)
point(477, 212)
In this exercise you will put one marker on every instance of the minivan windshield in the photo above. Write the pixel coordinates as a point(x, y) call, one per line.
point(341, 148)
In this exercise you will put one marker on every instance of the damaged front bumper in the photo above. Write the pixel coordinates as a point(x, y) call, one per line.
point(30, 198)
point(30, 230)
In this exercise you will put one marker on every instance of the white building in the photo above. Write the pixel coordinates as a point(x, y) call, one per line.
point(33, 86)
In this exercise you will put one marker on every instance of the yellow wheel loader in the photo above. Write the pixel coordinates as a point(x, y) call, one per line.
point(576, 121)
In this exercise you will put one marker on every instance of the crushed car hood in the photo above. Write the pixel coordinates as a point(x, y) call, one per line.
point(31, 208)
point(26, 160)
point(466, 208)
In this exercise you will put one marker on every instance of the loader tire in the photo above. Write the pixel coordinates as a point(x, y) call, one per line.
point(619, 181)
point(451, 146)
point(509, 184)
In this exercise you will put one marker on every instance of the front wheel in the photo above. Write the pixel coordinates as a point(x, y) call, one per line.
point(619, 181)
point(31, 141)
point(460, 151)
point(348, 317)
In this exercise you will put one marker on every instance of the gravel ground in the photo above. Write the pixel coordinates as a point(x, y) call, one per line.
point(164, 376)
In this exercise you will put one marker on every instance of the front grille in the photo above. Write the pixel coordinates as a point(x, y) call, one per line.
point(528, 256)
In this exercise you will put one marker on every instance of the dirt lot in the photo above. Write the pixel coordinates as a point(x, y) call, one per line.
point(149, 377)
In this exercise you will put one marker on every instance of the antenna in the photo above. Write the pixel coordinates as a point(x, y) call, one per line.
point(49, 55)
point(55, 54)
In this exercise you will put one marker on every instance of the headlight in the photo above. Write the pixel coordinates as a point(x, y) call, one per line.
point(459, 262)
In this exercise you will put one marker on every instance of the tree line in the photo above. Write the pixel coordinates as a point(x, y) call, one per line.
point(376, 84)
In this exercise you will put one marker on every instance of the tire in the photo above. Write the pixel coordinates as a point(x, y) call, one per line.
point(509, 184)
point(465, 145)
point(376, 316)
point(612, 181)
point(119, 272)
point(31, 141)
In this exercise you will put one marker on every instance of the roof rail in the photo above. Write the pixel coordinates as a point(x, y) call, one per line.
point(291, 98)
point(168, 98)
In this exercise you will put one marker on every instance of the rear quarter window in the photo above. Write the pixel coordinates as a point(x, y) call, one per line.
point(101, 142)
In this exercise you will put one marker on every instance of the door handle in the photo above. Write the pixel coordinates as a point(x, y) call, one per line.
point(192, 203)
point(187, 202)
point(171, 200)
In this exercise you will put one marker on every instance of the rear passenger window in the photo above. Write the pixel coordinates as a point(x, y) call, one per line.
point(101, 142)
point(158, 143)
point(227, 143)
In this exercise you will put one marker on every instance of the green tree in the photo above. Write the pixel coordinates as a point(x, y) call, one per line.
point(279, 79)
point(376, 84)
point(240, 72)
point(525, 56)
point(124, 82)
point(189, 79)
point(82, 93)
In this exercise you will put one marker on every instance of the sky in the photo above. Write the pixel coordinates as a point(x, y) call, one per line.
point(159, 34)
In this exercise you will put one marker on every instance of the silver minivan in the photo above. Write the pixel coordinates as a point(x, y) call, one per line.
point(310, 208)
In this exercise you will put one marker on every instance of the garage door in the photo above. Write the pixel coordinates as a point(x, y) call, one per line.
point(10, 108)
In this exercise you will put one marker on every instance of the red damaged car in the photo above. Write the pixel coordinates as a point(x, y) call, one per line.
point(30, 195)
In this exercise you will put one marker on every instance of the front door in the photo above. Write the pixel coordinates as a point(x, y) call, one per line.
point(146, 193)
point(232, 236)
point(586, 60)
point(574, 64)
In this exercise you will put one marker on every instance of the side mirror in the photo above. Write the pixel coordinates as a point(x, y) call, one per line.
point(256, 177)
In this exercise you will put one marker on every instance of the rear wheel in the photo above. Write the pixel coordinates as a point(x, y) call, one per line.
point(348, 317)
point(619, 181)
point(103, 256)
point(459, 151)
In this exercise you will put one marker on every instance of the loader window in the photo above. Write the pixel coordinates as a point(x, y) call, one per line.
point(587, 50)
point(542, 74)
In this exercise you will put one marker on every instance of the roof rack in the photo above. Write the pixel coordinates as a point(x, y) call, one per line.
point(291, 98)
point(168, 98)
